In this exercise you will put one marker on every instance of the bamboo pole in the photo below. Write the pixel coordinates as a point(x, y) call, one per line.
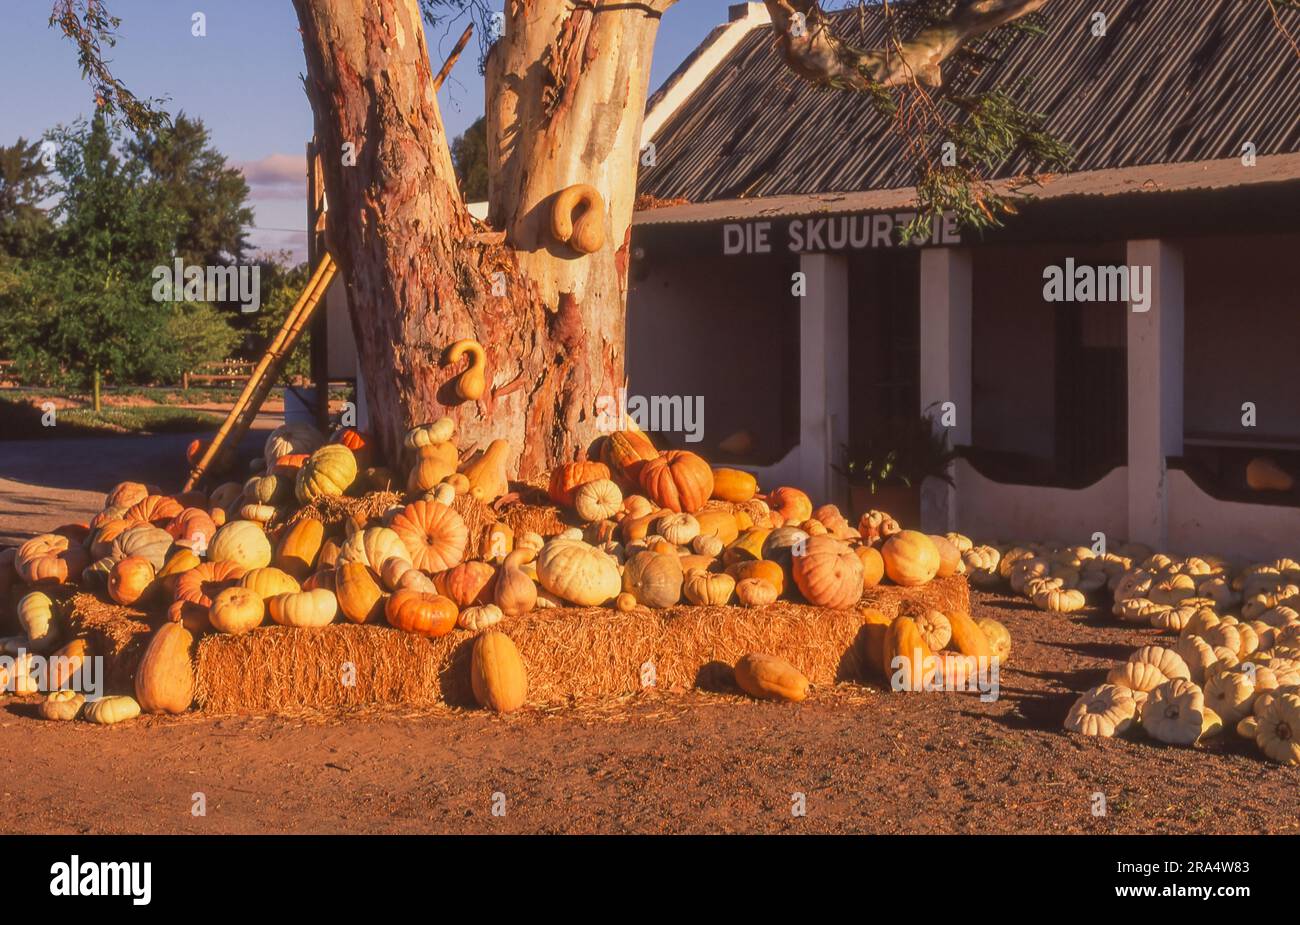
point(455, 54)
point(267, 370)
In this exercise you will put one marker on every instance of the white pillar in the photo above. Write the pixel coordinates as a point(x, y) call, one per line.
point(1155, 388)
point(945, 365)
point(823, 375)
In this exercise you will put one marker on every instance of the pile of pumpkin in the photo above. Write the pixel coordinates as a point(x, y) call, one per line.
point(645, 529)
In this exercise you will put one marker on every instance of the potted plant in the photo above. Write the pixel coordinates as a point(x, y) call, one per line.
point(886, 468)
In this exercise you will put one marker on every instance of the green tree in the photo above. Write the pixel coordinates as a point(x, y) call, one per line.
point(23, 184)
point(210, 194)
point(469, 154)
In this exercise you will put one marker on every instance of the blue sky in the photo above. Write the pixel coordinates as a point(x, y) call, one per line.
point(242, 80)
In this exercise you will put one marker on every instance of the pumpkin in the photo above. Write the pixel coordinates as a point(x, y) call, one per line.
point(421, 613)
point(306, 609)
point(625, 602)
point(876, 526)
point(734, 485)
point(999, 638)
point(708, 546)
point(101, 541)
point(36, 617)
point(513, 591)
point(911, 558)
point(288, 466)
point(654, 579)
point(432, 534)
point(1231, 693)
point(934, 628)
point(299, 547)
point(479, 617)
point(497, 674)
point(432, 465)
point(762, 570)
point(707, 589)
point(467, 583)
point(873, 565)
point(814, 527)
point(288, 439)
point(109, 710)
point(374, 546)
point(1059, 600)
point(129, 579)
point(678, 480)
point(598, 499)
point(792, 504)
point(1264, 474)
point(65, 663)
point(678, 529)
point(755, 592)
point(50, 559)
point(236, 610)
point(1174, 713)
point(224, 495)
point(1106, 710)
point(950, 562)
point(721, 524)
point(440, 431)
point(1277, 731)
point(905, 655)
point(496, 542)
point(328, 472)
point(982, 565)
point(767, 677)
point(180, 562)
point(164, 679)
point(486, 473)
point(125, 494)
point(357, 442)
point(578, 573)
point(875, 625)
point(269, 581)
point(242, 543)
point(193, 528)
point(156, 510)
point(624, 452)
point(393, 571)
point(967, 637)
point(828, 573)
point(62, 705)
point(360, 598)
point(568, 477)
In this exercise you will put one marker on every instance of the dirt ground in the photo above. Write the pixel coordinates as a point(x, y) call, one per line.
point(864, 761)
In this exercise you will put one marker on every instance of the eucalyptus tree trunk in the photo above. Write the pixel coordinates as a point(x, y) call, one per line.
point(566, 87)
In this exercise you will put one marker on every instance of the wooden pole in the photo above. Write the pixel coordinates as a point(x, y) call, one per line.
point(267, 370)
point(455, 54)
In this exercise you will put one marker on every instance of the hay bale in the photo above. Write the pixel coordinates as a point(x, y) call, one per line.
point(478, 517)
point(570, 653)
point(333, 511)
point(544, 519)
point(118, 634)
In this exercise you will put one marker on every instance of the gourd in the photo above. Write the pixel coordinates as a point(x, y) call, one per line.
point(306, 609)
point(767, 677)
point(260, 514)
point(967, 637)
point(905, 656)
point(999, 638)
point(598, 499)
point(1264, 474)
point(934, 629)
point(299, 547)
point(497, 674)
point(164, 679)
point(269, 581)
point(440, 431)
point(1174, 712)
point(432, 535)
point(829, 516)
point(624, 451)
point(654, 579)
point(374, 546)
point(625, 602)
point(566, 478)
point(177, 565)
point(110, 710)
point(50, 559)
point(328, 472)
point(708, 589)
point(66, 662)
point(514, 592)
point(748, 546)
point(467, 583)
point(578, 573)
point(586, 234)
point(360, 598)
point(828, 573)
point(487, 473)
point(708, 546)
point(762, 570)
point(877, 526)
point(433, 464)
point(36, 617)
point(472, 382)
point(236, 610)
point(62, 705)
point(479, 617)
point(755, 592)
point(678, 480)
point(734, 485)
point(129, 579)
point(1277, 731)
point(242, 543)
point(289, 439)
point(911, 558)
point(421, 613)
point(101, 542)
point(1106, 710)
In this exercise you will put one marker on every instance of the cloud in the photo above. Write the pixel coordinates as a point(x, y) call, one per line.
point(277, 170)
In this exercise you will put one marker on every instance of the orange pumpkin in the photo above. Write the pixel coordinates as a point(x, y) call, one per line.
point(156, 510)
point(359, 595)
point(566, 478)
point(432, 533)
point(467, 583)
point(828, 573)
point(421, 613)
point(50, 559)
point(76, 533)
point(734, 485)
point(196, 588)
point(125, 494)
point(193, 528)
point(762, 569)
point(101, 543)
point(624, 452)
point(358, 443)
point(237, 610)
point(792, 504)
point(911, 558)
point(299, 547)
point(678, 480)
point(873, 565)
point(129, 579)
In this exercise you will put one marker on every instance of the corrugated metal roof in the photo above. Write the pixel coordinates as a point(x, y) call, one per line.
point(1171, 81)
point(1146, 178)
